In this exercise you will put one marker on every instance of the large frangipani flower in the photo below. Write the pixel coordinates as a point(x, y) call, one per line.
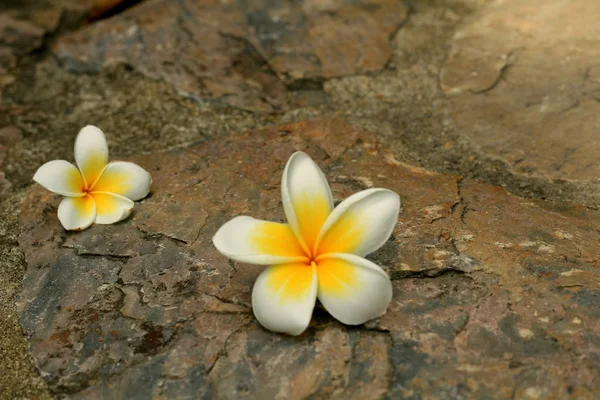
point(318, 254)
point(97, 191)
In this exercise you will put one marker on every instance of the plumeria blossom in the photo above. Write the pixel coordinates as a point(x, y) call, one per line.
point(96, 190)
point(317, 254)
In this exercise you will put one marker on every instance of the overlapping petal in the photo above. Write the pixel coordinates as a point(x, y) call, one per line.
point(306, 197)
point(60, 176)
point(77, 213)
point(360, 224)
point(284, 296)
point(111, 208)
point(352, 289)
point(91, 153)
point(253, 241)
point(125, 179)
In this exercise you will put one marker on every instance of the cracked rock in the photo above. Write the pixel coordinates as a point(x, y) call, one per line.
point(243, 53)
point(493, 294)
point(523, 82)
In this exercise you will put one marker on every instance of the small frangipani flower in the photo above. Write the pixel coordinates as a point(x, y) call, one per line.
point(95, 191)
point(317, 254)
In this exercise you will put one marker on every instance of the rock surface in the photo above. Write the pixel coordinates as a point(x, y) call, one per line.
point(494, 296)
point(9, 135)
point(25, 24)
point(243, 53)
point(524, 79)
point(494, 259)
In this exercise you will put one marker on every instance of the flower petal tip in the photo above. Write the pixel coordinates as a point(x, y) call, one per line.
point(61, 177)
point(90, 130)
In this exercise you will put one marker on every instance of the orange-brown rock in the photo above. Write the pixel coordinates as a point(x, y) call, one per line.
point(494, 295)
point(524, 79)
point(243, 53)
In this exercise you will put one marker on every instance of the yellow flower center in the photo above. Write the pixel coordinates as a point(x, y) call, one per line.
point(312, 259)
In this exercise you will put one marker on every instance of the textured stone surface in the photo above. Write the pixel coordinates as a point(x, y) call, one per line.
point(9, 135)
point(25, 24)
point(243, 53)
point(524, 82)
point(17, 37)
point(24, 27)
point(494, 295)
point(448, 334)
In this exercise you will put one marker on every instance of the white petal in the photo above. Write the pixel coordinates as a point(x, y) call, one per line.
point(306, 197)
point(77, 213)
point(284, 296)
point(125, 179)
point(360, 224)
point(250, 240)
point(60, 176)
point(91, 153)
point(111, 208)
point(352, 289)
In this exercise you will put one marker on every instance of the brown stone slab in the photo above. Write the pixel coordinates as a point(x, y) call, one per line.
point(493, 294)
point(523, 81)
point(243, 53)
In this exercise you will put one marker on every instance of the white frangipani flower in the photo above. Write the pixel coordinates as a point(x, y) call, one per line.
point(95, 190)
point(318, 254)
